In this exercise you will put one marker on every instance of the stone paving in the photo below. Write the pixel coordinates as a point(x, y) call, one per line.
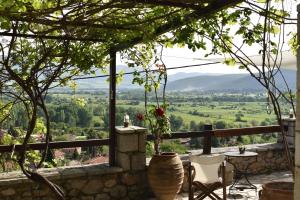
point(257, 180)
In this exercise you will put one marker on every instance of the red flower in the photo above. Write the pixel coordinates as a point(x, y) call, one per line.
point(159, 112)
point(140, 117)
point(160, 67)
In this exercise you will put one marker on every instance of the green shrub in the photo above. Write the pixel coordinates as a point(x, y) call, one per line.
point(173, 146)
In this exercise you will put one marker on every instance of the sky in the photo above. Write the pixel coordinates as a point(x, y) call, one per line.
point(183, 56)
point(176, 57)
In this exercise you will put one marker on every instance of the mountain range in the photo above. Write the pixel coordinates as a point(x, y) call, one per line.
point(229, 82)
point(185, 81)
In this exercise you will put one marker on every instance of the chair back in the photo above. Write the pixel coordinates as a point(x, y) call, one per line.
point(207, 167)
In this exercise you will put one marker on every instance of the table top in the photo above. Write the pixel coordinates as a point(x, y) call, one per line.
point(238, 154)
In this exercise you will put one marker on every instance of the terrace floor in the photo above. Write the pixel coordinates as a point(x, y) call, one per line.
point(257, 180)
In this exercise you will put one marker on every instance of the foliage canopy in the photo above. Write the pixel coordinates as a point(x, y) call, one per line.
point(45, 43)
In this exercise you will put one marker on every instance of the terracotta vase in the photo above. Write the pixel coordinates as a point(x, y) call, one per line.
point(165, 175)
point(277, 191)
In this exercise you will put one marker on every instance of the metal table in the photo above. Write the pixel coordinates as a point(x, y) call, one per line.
point(239, 174)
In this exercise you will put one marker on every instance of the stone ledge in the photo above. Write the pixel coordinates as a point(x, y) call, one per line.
point(290, 119)
point(130, 130)
point(252, 147)
point(16, 177)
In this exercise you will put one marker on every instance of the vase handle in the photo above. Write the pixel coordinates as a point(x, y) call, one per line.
point(260, 193)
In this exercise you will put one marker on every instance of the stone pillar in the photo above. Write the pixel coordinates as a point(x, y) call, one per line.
point(131, 148)
point(290, 123)
point(297, 138)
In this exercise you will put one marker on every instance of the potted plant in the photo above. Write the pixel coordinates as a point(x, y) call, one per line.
point(165, 171)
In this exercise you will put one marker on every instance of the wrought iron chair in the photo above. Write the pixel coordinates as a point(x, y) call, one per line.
point(204, 176)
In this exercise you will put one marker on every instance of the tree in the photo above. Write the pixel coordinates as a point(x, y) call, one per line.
point(84, 117)
point(193, 126)
point(98, 111)
point(93, 151)
point(220, 124)
point(176, 122)
point(62, 116)
point(28, 70)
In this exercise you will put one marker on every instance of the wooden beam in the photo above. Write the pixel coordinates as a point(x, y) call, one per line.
point(112, 109)
point(51, 37)
point(246, 131)
point(170, 3)
point(55, 145)
point(207, 141)
point(177, 135)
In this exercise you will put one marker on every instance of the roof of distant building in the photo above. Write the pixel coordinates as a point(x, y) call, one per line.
point(97, 160)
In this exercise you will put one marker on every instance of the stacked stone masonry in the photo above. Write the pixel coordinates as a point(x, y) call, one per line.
point(271, 157)
point(290, 134)
point(95, 182)
point(131, 148)
point(267, 161)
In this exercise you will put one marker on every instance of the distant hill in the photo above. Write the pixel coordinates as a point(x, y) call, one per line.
point(228, 82)
point(183, 81)
point(101, 83)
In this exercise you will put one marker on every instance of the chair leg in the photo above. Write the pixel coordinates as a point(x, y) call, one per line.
point(224, 180)
point(207, 191)
point(224, 192)
point(216, 196)
point(191, 194)
point(191, 191)
point(212, 196)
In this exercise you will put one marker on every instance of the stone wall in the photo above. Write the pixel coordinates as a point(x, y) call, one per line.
point(271, 157)
point(93, 182)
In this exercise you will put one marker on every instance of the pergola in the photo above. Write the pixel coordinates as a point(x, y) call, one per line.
point(132, 21)
point(115, 25)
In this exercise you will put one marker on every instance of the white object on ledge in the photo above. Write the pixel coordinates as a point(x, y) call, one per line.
point(126, 120)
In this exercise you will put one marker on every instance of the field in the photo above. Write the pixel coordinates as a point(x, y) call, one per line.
point(233, 110)
point(85, 115)
point(252, 111)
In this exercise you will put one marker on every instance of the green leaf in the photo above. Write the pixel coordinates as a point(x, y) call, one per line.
point(242, 67)
point(37, 4)
point(230, 62)
point(4, 23)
